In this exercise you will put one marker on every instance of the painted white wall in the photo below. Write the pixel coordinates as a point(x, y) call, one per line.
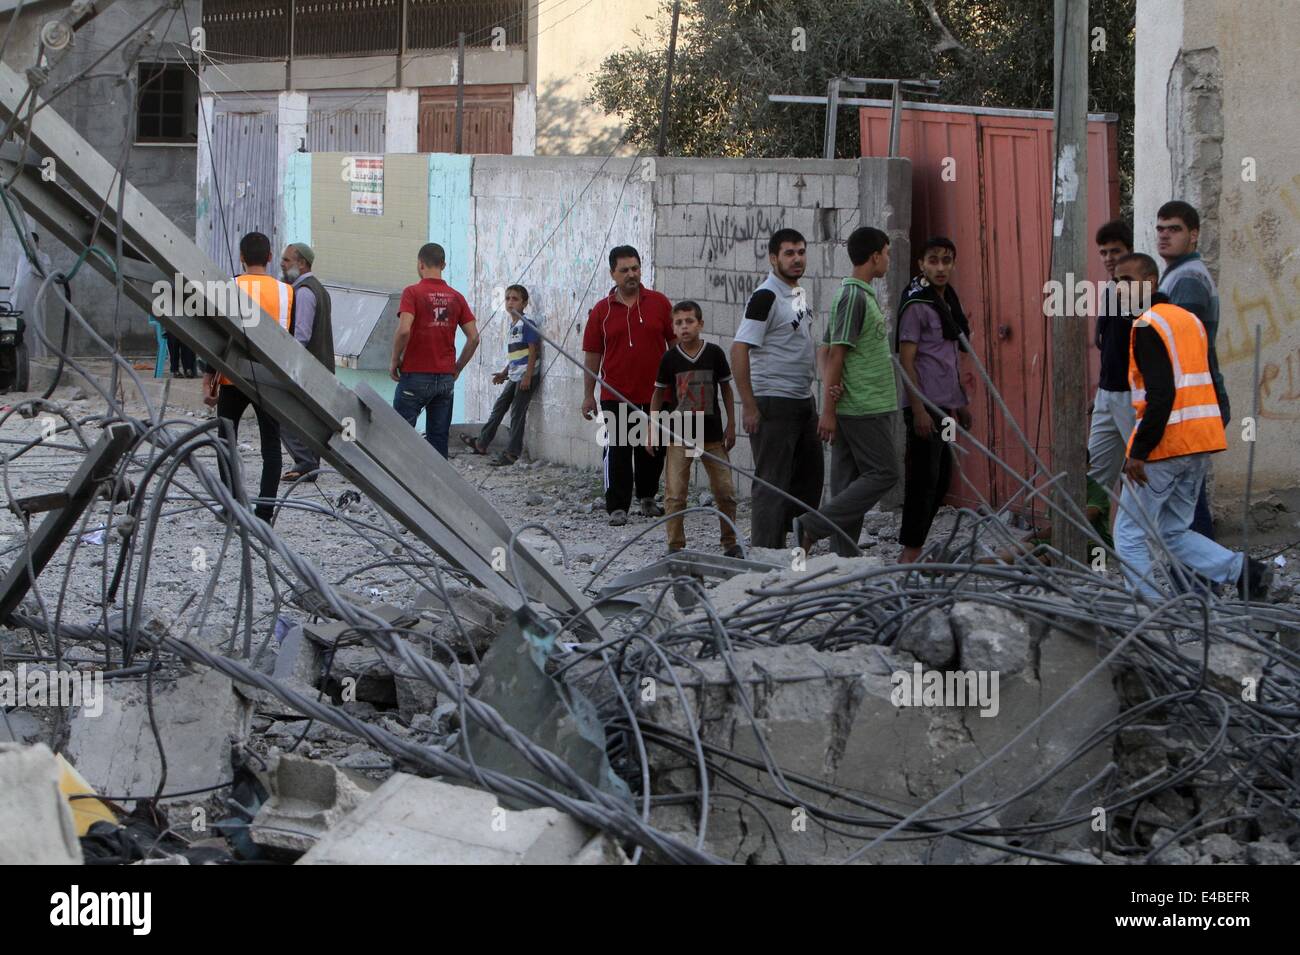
point(203, 172)
point(1160, 38)
point(402, 121)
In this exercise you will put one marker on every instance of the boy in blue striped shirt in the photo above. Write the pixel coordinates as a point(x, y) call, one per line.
point(519, 376)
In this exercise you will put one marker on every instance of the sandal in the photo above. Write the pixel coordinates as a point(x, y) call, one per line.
point(472, 443)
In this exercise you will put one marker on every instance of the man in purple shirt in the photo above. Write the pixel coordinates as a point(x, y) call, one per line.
point(930, 324)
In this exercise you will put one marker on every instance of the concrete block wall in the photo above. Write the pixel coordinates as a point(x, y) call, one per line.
point(714, 218)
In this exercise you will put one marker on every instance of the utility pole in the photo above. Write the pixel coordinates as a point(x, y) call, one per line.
point(668, 81)
point(460, 91)
point(1069, 264)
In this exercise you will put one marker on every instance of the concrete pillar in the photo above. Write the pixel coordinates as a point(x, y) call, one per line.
point(203, 197)
point(524, 125)
point(291, 133)
point(402, 121)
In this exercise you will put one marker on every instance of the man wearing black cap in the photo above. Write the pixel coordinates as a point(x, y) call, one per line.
point(310, 325)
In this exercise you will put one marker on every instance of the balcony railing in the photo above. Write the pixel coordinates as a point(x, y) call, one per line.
point(239, 30)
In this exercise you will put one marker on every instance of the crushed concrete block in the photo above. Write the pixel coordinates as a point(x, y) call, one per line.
point(1268, 853)
point(930, 640)
point(414, 693)
point(480, 614)
point(308, 798)
point(198, 717)
point(831, 716)
point(20, 727)
point(989, 638)
point(36, 825)
point(414, 821)
point(362, 673)
point(1221, 847)
point(300, 659)
point(1228, 667)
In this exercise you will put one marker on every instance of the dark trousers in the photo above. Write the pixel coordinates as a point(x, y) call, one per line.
point(231, 403)
point(627, 468)
point(787, 454)
point(928, 473)
point(515, 400)
point(305, 460)
point(181, 357)
point(864, 468)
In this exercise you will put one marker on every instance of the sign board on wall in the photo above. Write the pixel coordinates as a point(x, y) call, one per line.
point(367, 180)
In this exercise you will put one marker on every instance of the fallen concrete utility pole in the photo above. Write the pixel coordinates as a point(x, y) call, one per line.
point(358, 432)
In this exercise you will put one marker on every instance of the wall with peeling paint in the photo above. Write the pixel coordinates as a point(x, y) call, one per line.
point(1215, 125)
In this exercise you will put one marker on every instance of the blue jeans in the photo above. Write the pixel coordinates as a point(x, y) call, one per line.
point(431, 393)
point(1167, 503)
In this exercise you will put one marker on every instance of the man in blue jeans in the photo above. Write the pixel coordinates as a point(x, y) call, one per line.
point(424, 363)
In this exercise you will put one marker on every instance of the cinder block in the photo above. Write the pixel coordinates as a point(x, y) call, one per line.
point(744, 189)
point(724, 188)
point(703, 191)
point(846, 192)
point(766, 188)
point(683, 189)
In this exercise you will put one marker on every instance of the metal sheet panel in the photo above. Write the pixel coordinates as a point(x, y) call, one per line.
point(244, 187)
point(359, 130)
point(984, 179)
point(355, 314)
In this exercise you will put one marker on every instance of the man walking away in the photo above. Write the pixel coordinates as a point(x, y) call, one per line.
point(859, 425)
point(424, 363)
point(773, 360)
point(311, 328)
point(626, 335)
point(1179, 427)
point(930, 324)
point(1188, 284)
point(275, 298)
point(1112, 409)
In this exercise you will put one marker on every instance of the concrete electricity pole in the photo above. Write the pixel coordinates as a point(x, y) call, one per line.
point(1069, 264)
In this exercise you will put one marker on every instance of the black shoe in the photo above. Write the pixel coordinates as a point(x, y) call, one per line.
point(734, 551)
point(650, 509)
point(1255, 581)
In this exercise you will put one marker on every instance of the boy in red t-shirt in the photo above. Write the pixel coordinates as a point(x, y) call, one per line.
point(424, 363)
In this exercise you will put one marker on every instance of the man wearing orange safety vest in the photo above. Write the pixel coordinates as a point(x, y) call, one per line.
point(1178, 427)
point(275, 298)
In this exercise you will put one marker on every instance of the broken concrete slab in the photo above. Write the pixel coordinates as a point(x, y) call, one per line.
point(415, 821)
point(198, 718)
point(36, 825)
point(20, 727)
point(308, 798)
point(831, 716)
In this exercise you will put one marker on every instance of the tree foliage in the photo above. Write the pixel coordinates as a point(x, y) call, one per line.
point(731, 54)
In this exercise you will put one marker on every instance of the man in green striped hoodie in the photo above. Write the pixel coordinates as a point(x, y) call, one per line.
point(859, 401)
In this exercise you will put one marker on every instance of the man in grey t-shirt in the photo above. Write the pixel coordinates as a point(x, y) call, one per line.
point(772, 360)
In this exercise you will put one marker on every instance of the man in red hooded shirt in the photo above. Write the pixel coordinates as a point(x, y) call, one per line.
point(627, 334)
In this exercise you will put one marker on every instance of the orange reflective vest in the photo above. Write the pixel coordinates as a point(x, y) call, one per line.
point(271, 295)
point(1195, 424)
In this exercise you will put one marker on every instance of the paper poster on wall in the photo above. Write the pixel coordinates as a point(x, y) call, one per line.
point(368, 186)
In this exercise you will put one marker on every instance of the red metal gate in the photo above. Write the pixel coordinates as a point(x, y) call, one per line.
point(984, 179)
